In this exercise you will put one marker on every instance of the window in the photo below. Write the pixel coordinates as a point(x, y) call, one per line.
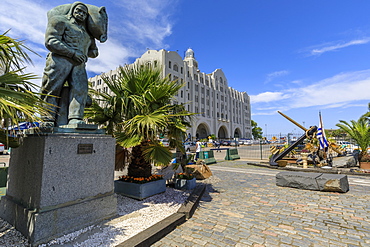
point(196, 88)
point(99, 82)
point(169, 64)
point(182, 94)
point(176, 68)
point(188, 96)
point(196, 77)
point(182, 70)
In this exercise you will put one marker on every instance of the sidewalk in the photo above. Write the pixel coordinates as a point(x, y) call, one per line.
point(246, 208)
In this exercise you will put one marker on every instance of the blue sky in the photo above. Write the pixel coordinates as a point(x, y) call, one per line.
point(296, 56)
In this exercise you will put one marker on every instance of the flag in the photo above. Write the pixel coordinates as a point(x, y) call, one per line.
point(321, 134)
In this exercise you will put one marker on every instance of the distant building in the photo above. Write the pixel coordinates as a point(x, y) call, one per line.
point(222, 110)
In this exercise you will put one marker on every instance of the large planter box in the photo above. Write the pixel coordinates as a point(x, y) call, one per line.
point(140, 191)
point(184, 184)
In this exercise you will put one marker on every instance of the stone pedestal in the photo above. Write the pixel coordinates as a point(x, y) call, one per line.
point(59, 183)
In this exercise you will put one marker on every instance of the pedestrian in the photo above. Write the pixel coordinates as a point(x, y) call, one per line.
point(218, 144)
point(198, 148)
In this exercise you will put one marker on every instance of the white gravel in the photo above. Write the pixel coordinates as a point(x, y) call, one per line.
point(133, 217)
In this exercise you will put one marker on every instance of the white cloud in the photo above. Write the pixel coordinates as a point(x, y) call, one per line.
point(133, 26)
point(276, 74)
point(328, 48)
point(338, 91)
point(26, 20)
point(267, 97)
point(106, 61)
point(147, 23)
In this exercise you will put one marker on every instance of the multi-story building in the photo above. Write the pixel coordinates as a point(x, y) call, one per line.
point(221, 110)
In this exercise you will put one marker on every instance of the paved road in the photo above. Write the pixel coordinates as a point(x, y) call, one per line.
point(244, 207)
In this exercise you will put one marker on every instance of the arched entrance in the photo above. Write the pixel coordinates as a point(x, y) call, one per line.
point(202, 131)
point(237, 133)
point(222, 133)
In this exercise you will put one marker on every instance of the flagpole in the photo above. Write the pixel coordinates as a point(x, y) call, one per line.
point(323, 133)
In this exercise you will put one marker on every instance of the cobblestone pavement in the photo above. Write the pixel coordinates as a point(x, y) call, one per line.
point(244, 207)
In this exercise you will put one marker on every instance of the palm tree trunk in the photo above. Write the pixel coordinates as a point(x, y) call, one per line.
point(138, 166)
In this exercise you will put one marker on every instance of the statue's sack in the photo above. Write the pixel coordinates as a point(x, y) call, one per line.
point(200, 171)
point(97, 21)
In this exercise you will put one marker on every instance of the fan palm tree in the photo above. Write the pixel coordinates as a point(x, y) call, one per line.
point(360, 131)
point(138, 111)
point(18, 102)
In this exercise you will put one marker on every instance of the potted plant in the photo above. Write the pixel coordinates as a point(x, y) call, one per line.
point(185, 181)
point(140, 187)
point(137, 112)
point(359, 131)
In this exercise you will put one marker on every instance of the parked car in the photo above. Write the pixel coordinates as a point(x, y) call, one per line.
point(2, 148)
point(234, 143)
point(190, 147)
point(225, 143)
point(348, 146)
point(165, 142)
point(245, 142)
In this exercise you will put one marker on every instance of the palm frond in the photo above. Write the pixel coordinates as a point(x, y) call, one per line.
point(158, 154)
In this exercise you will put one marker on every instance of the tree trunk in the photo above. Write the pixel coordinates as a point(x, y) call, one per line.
point(138, 166)
point(121, 158)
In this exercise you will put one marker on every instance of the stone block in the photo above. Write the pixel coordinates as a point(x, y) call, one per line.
point(313, 181)
point(55, 186)
point(333, 182)
point(299, 180)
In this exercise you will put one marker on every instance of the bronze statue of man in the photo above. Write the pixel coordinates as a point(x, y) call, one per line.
point(70, 42)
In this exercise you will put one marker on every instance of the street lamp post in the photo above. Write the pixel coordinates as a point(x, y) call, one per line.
point(266, 130)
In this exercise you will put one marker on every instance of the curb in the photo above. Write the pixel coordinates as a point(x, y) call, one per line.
point(332, 171)
point(167, 225)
